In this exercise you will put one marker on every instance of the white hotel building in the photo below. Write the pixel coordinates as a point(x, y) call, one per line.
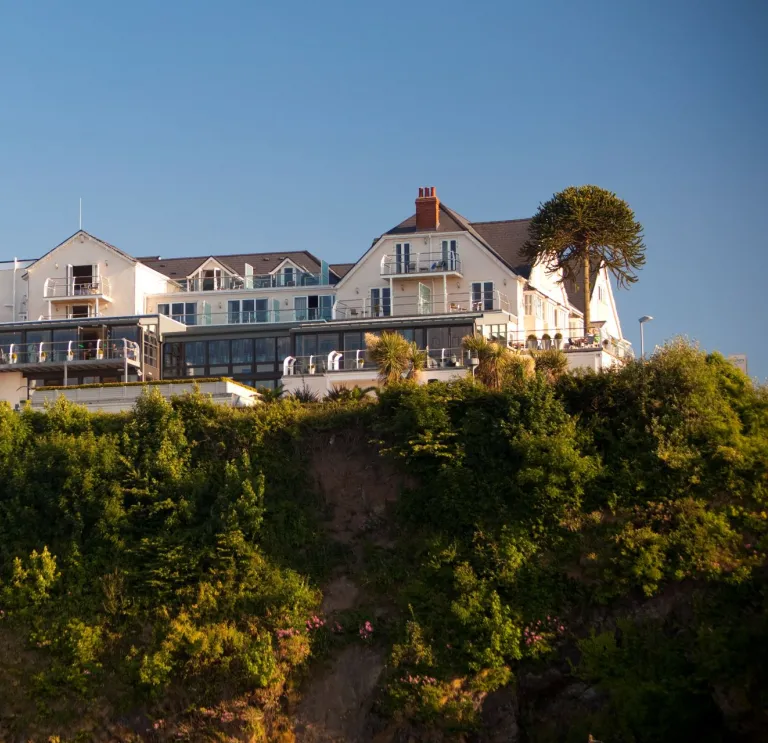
point(87, 312)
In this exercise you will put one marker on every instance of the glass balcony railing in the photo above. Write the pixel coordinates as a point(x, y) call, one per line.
point(256, 281)
point(60, 352)
point(76, 286)
point(420, 263)
point(256, 316)
point(427, 304)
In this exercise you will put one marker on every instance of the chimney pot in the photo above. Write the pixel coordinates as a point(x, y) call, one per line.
point(427, 209)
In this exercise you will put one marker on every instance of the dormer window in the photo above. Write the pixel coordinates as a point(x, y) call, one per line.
point(289, 278)
point(211, 279)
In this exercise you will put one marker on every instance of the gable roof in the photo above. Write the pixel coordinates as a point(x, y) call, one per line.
point(177, 268)
point(111, 247)
point(504, 238)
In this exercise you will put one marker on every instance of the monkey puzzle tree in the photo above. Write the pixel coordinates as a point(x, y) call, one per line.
point(584, 225)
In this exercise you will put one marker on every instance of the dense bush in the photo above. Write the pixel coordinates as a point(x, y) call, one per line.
point(179, 546)
point(149, 550)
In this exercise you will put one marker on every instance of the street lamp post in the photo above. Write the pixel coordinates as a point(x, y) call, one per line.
point(644, 319)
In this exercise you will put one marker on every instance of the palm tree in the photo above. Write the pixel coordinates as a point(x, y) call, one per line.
point(305, 394)
point(493, 359)
point(521, 366)
point(418, 362)
point(584, 226)
point(337, 393)
point(271, 395)
point(552, 363)
point(392, 353)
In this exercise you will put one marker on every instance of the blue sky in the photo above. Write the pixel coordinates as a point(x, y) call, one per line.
point(200, 127)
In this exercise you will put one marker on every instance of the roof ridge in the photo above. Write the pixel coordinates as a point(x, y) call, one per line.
point(503, 221)
point(226, 255)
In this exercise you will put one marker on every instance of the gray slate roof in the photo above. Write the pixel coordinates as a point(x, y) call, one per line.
point(505, 238)
point(179, 268)
point(341, 269)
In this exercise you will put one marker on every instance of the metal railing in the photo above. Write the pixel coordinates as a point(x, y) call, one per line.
point(246, 283)
point(568, 341)
point(69, 315)
point(419, 263)
point(360, 360)
point(255, 317)
point(436, 304)
point(59, 352)
point(76, 286)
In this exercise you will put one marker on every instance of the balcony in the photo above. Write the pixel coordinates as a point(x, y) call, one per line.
point(77, 287)
point(425, 304)
point(248, 283)
point(359, 360)
point(418, 264)
point(576, 342)
point(76, 355)
point(321, 374)
point(256, 317)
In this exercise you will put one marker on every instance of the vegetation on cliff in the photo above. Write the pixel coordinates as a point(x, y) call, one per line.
point(606, 529)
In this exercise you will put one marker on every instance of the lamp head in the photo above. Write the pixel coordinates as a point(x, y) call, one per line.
point(645, 318)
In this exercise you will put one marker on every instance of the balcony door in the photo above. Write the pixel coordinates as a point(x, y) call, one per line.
point(425, 299)
point(482, 296)
point(402, 257)
point(211, 279)
point(82, 279)
point(381, 302)
point(450, 254)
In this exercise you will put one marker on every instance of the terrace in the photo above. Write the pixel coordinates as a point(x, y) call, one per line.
point(424, 303)
point(250, 282)
point(70, 356)
point(407, 264)
point(77, 287)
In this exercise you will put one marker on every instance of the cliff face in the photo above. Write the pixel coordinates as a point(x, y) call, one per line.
point(562, 559)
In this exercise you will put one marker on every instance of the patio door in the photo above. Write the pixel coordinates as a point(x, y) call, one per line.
point(449, 254)
point(482, 296)
point(402, 257)
point(425, 299)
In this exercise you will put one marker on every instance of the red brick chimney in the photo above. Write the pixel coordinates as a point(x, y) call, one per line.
point(427, 209)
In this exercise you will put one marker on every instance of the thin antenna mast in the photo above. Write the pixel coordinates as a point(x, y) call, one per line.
point(81, 212)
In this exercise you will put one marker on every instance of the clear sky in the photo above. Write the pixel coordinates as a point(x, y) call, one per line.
point(216, 127)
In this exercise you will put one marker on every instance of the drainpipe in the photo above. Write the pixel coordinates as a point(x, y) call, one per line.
point(15, 269)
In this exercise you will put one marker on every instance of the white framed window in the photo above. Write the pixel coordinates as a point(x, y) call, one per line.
point(450, 254)
point(211, 279)
point(247, 311)
point(539, 307)
point(482, 296)
point(381, 301)
point(314, 307)
point(185, 312)
point(529, 305)
point(550, 313)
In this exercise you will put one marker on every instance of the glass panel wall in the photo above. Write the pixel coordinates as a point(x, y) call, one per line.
point(218, 352)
